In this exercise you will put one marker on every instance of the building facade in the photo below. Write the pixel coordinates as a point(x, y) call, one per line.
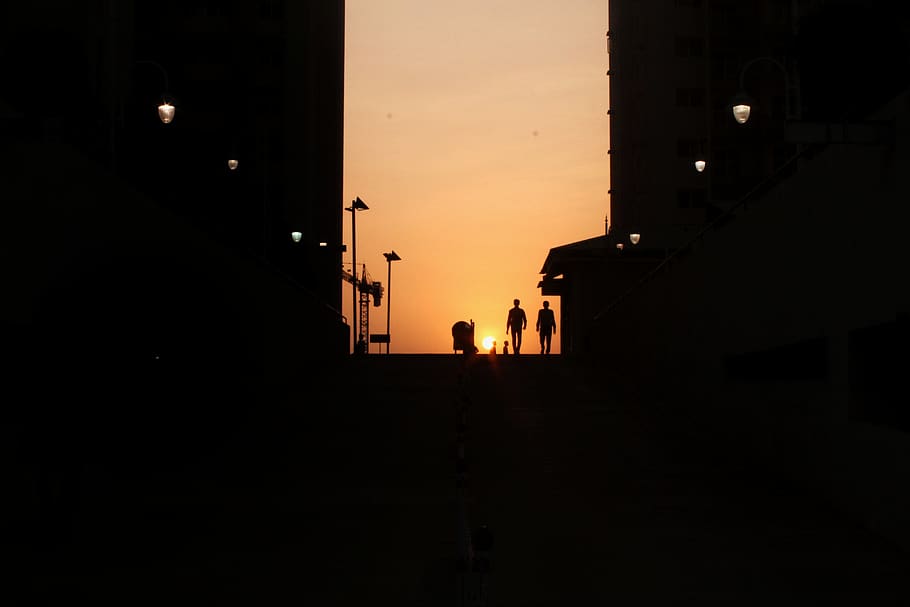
point(772, 320)
point(677, 68)
point(257, 82)
point(674, 68)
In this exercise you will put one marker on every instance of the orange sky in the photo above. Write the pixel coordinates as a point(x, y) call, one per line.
point(477, 134)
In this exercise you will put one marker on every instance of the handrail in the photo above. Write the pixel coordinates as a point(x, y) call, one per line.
point(766, 183)
point(762, 186)
point(277, 270)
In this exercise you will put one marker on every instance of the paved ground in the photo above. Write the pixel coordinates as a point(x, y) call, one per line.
point(593, 500)
point(344, 494)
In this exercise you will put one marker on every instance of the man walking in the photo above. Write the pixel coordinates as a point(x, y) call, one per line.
point(515, 324)
point(546, 326)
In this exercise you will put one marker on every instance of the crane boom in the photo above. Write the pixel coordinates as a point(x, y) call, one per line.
point(367, 287)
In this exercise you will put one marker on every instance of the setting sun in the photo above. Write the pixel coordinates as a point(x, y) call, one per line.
point(475, 156)
point(488, 342)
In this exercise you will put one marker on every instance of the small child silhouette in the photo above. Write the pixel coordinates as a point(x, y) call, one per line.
point(505, 347)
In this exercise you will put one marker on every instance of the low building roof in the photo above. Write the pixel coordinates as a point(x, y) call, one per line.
point(598, 248)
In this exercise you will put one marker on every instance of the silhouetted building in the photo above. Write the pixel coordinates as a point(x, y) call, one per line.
point(675, 70)
point(259, 82)
point(155, 307)
point(588, 276)
point(773, 321)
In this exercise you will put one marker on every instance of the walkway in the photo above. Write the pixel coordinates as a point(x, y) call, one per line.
point(344, 494)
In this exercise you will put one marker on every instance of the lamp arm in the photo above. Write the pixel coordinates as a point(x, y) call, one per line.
point(160, 68)
point(783, 70)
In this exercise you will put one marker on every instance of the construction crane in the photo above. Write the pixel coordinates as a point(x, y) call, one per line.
point(366, 287)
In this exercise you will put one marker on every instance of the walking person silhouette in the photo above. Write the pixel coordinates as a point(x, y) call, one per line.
point(516, 322)
point(546, 326)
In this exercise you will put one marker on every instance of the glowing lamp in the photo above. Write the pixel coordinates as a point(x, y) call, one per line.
point(619, 246)
point(634, 237)
point(741, 112)
point(296, 236)
point(232, 164)
point(166, 112)
point(700, 165)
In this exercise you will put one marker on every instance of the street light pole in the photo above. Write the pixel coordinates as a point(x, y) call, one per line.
point(742, 103)
point(165, 109)
point(356, 205)
point(389, 257)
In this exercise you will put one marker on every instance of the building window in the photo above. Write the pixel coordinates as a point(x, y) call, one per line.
point(689, 148)
point(727, 165)
point(689, 46)
point(271, 9)
point(690, 97)
point(691, 198)
point(205, 8)
point(806, 360)
point(873, 375)
point(271, 51)
point(778, 13)
point(725, 67)
point(208, 50)
point(267, 100)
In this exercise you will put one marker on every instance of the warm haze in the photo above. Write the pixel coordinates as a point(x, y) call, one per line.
point(477, 134)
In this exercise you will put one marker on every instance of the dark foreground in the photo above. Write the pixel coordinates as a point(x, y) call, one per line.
point(342, 491)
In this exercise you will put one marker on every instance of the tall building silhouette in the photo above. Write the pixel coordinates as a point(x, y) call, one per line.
point(257, 82)
point(676, 67)
point(813, 71)
point(773, 321)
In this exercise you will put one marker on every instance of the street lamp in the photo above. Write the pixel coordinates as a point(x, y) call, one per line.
point(356, 205)
point(742, 107)
point(166, 110)
point(742, 103)
point(389, 257)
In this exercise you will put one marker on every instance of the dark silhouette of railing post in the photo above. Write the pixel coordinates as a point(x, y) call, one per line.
point(473, 562)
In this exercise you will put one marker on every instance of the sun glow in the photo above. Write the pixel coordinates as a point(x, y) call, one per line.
point(488, 342)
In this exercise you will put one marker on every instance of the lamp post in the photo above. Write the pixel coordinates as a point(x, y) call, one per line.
point(166, 110)
point(356, 205)
point(389, 257)
point(742, 103)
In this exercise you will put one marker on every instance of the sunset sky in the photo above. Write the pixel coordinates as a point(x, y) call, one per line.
point(477, 134)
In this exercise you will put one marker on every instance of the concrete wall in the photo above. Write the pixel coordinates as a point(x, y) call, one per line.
point(134, 347)
point(780, 332)
point(100, 286)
